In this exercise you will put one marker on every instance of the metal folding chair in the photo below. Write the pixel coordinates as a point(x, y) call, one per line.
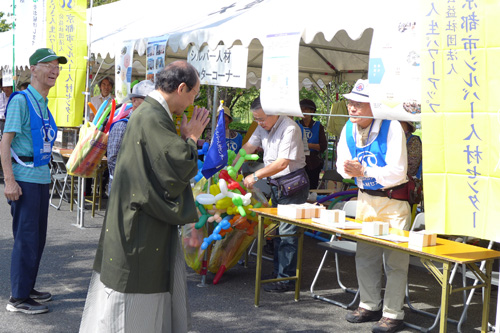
point(477, 279)
point(419, 224)
point(329, 175)
point(59, 177)
point(343, 247)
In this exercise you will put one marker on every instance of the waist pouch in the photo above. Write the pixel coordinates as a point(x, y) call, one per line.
point(291, 183)
point(400, 192)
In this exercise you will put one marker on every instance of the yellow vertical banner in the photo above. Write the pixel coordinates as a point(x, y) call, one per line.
point(461, 117)
point(67, 36)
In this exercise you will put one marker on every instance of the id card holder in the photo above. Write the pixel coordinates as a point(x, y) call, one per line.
point(47, 148)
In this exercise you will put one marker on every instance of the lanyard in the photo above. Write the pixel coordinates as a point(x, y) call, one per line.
point(368, 139)
point(46, 123)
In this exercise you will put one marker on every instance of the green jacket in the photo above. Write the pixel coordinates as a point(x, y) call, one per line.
point(150, 197)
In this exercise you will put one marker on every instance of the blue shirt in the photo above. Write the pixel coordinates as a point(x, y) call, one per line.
point(18, 121)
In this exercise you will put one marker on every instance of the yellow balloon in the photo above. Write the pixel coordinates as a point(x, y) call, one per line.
point(214, 189)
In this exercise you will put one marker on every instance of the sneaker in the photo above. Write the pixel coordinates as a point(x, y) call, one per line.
point(361, 315)
point(27, 306)
point(387, 325)
point(40, 297)
point(279, 287)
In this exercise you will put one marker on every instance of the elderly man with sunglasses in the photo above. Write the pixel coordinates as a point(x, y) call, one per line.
point(373, 151)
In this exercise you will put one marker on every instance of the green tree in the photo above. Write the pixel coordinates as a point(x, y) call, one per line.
point(100, 2)
point(4, 26)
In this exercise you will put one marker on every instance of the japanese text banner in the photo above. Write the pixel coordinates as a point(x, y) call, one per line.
point(461, 117)
point(67, 36)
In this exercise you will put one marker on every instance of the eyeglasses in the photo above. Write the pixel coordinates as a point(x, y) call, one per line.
point(356, 105)
point(49, 66)
point(260, 120)
point(197, 93)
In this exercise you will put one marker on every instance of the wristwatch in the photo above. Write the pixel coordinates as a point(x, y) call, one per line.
point(255, 177)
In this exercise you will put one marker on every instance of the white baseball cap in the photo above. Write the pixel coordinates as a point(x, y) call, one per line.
point(360, 92)
point(141, 89)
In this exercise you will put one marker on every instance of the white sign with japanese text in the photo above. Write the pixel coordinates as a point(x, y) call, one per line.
point(280, 80)
point(225, 67)
point(7, 76)
point(30, 28)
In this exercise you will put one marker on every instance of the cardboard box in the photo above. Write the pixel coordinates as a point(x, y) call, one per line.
point(302, 211)
point(375, 228)
point(334, 216)
point(66, 138)
point(422, 238)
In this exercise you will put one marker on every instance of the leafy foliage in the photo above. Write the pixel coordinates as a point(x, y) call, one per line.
point(4, 26)
point(100, 2)
point(238, 100)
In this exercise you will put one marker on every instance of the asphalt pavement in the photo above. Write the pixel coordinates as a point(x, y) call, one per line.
point(226, 307)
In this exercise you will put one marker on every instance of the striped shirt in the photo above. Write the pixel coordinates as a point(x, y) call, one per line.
point(18, 121)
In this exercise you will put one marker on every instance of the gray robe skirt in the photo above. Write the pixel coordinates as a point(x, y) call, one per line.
point(109, 311)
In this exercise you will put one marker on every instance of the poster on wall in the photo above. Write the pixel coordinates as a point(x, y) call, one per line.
point(123, 70)
point(280, 81)
point(461, 118)
point(155, 56)
point(224, 67)
point(66, 35)
point(394, 71)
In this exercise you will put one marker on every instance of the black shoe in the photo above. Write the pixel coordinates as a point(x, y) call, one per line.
point(361, 315)
point(27, 306)
point(279, 287)
point(40, 297)
point(387, 325)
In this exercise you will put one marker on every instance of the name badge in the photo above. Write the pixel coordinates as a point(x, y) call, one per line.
point(47, 148)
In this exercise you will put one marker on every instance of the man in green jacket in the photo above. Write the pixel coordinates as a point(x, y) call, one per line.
point(139, 282)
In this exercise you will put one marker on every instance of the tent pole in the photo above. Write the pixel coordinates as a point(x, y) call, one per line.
point(204, 266)
point(14, 45)
point(80, 216)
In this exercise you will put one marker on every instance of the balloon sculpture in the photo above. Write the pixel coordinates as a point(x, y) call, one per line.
point(227, 206)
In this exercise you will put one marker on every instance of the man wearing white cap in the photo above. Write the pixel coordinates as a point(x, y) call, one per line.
point(139, 93)
point(374, 152)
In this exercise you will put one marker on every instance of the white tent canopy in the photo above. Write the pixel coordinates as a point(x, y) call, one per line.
point(333, 46)
point(336, 35)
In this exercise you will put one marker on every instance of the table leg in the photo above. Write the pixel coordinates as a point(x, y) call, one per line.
point(300, 246)
point(71, 193)
point(486, 300)
point(94, 194)
point(445, 294)
point(258, 270)
point(100, 188)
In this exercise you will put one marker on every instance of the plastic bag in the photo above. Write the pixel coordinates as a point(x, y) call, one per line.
point(88, 153)
point(228, 251)
point(191, 244)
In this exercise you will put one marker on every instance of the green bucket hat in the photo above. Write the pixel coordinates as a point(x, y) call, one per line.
point(46, 55)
